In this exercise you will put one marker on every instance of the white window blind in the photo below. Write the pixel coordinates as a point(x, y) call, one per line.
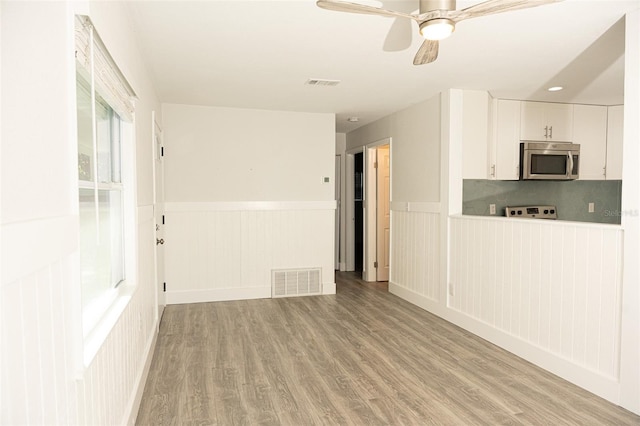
point(109, 81)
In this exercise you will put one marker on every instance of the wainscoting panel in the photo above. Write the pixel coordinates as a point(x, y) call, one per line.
point(214, 252)
point(553, 285)
point(415, 255)
point(43, 379)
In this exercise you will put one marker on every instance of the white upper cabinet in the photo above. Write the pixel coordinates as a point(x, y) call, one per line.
point(476, 109)
point(614, 142)
point(492, 130)
point(590, 131)
point(541, 121)
point(505, 148)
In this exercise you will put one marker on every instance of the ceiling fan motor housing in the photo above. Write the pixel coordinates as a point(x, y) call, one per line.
point(429, 5)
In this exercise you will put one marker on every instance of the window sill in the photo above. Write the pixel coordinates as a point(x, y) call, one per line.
point(95, 338)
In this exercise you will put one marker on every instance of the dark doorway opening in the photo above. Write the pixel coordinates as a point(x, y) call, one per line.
point(358, 213)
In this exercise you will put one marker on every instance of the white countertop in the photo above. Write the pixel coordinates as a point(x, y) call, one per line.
point(546, 222)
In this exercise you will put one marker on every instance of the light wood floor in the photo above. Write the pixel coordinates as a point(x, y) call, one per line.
point(361, 357)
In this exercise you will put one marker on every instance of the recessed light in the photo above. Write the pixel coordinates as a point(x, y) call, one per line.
point(353, 119)
point(555, 88)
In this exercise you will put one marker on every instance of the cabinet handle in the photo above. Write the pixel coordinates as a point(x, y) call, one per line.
point(546, 132)
point(493, 170)
point(551, 132)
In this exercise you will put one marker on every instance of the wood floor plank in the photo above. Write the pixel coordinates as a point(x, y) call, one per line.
point(362, 356)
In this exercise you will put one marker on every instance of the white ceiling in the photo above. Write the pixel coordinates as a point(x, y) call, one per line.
point(258, 54)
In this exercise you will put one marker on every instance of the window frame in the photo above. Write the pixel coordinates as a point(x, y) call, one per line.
point(99, 318)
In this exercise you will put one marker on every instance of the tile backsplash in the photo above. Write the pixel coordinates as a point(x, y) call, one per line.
point(571, 198)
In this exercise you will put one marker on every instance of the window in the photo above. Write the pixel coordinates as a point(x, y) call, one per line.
point(100, 200)
point(104, 110)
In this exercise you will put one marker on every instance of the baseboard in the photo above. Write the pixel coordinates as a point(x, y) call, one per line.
point(428, 304)
point(604, 386)
point(217, 295)
point(134, 406)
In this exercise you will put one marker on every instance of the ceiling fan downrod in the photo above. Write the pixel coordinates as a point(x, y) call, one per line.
point(431, 5)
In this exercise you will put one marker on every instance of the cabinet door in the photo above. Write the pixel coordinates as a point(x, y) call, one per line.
point(559, 118)
point(506, 144)
point(532, 122)
point(542, 121)
point(475, 134)
point(614, 142)
point(590, 131)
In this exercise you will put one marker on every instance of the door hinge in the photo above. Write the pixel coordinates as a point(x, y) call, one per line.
point(163, 219)
point(164, 287)
point(162, 151)
point(375, 264)
point(375, 165)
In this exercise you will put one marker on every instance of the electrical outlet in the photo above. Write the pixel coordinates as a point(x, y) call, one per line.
point(592, 207)
point(452, 291)
point(492, 209)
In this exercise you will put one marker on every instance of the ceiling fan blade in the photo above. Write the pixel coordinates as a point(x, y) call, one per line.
point(399, 36)
point(427, 53)
point(344, 6)
point(495, 6)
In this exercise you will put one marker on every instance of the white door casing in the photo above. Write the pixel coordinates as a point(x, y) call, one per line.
point(383, 219)
point(369, 272)
point(338, 195)
point(158, 209)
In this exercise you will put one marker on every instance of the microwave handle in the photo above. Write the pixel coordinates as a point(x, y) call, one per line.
point(569, 164)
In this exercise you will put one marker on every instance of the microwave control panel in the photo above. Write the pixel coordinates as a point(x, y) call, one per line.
point(532, 212)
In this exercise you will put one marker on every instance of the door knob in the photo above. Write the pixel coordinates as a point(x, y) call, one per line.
point(159, 241)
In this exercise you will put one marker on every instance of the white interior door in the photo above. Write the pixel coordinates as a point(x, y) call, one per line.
point(158, 209)
point(383, 213)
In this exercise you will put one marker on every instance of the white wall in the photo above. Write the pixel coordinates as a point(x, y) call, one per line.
point(42, 373)
point(415, 150)
point(630, 350)
point(415, 189)
point(230, 154)
point(245, 194)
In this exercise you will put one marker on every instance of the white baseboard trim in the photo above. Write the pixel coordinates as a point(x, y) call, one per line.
point(131, 413)
point(217, 295)
point(328, 288)
point(604, 386)
point(424, 302)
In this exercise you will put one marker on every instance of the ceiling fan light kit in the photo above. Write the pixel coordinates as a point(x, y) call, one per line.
point(437, 29)
point(437, 18)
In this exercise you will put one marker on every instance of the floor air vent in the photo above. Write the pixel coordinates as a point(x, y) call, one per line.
point(295, 282)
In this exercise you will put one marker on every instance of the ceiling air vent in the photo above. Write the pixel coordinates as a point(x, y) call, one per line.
point(321, 82)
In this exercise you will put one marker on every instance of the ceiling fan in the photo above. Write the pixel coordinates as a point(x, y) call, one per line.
point(436, 19)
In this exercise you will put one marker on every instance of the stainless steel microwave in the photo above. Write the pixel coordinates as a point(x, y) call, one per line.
point(549, 161)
